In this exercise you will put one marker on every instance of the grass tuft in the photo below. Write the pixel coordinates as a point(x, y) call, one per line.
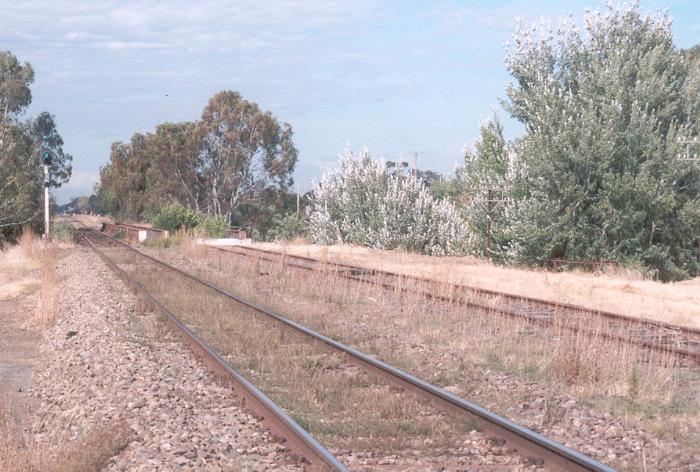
point(21, 453)
point(48, 295)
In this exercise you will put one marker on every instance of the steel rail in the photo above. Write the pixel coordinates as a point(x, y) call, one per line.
point(692, 355)
point(485, 291)
point(274, 417)
point(555, 455)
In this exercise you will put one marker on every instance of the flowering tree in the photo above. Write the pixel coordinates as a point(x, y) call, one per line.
point(362, 203)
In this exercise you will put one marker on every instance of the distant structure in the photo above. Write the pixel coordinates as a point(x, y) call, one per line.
point(688, 143)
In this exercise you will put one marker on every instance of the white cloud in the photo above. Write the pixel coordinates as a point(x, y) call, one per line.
point(81, 183)
point(83, 179)
point(129, 45)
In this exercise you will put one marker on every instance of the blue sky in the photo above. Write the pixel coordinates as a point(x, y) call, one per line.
point(396, 76)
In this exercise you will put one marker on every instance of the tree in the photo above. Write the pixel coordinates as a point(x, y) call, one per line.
point(45, 137)
point(602, 113)
point(363, 203)
point(21, 143)
point(15, 79)
point(692, 87)
point(244, 153)
point(18, 177)
point(486, 181)
point(235, 163)
point(175, 150)
point(123, 183)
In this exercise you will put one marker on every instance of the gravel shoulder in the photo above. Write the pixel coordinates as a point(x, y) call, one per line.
point(110, 363)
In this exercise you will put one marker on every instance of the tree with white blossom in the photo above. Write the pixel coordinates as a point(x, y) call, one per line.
point(362, 203)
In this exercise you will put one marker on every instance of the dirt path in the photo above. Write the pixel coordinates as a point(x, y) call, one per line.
point(19, 343)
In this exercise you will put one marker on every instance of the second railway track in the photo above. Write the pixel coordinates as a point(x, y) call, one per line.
point(527, 443)
point(680, 341)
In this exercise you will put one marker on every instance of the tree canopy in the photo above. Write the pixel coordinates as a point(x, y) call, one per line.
point(363, 202)
point(234, 158)
point(21, 143)
point(602, 112)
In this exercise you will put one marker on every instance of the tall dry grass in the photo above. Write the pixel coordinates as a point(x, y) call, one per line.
point(589, 363)
point(19, 452)
point(30, 244)
point(44, 254)
point(622, 290)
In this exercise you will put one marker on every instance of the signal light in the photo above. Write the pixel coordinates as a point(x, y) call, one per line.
point(46, 157)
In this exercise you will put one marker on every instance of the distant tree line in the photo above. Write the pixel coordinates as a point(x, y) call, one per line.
point(235, 163)
point(21, 144)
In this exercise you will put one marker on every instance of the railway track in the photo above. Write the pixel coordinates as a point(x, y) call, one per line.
point(526, 442)
point(680, 341)
point(274, 417)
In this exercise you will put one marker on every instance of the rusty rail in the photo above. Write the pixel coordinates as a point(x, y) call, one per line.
point(274, 417)
point(528, 443)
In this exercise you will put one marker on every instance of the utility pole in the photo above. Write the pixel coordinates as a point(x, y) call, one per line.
point(46, 158)
point(490, 201)
point(415, 161)
point(298, 201)
point(489, 224)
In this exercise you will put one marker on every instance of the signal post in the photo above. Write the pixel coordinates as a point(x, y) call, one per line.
point(46, 158)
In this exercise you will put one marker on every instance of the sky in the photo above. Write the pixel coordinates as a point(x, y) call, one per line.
point(403, 78)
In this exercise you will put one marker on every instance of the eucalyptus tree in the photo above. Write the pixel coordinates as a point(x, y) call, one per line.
point(244, 153)
point(21, 143)
point(15, 82)
point(602, 113)
point(177, 168)
point(236, 163)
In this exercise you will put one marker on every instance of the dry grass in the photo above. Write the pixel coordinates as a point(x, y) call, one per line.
point(30, 244)
point(443, 343)
point(19, 452)
point(18, 267)
point(621, 291)
point(346, 408)
point(48, 296)
point(590, 364)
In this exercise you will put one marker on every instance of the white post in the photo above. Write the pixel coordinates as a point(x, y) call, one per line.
point(46, 202)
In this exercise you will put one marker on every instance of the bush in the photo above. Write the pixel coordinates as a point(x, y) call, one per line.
point(177, 216)
point(288, 227)
point(362, 204)
point(214, 227)
point(63, 231)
